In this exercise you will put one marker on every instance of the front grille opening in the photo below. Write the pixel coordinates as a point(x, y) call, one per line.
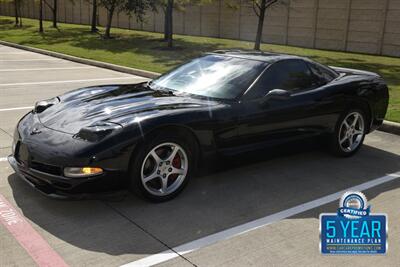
point(62, 185)
point(33, 180)
point(45, 188)
point(55, 170)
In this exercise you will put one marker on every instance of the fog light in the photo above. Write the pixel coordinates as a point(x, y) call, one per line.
point(82, 171)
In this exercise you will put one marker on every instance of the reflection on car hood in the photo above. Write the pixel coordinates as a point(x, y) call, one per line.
point(86, 106)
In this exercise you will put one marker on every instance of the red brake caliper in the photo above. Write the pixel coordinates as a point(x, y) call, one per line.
point(176, 163)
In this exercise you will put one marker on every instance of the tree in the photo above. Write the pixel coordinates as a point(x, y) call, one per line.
point(137, 7)
point(260, 7)
point(163, 4)
point(54, 10)
point(41, 15)
point(168, 7)
point(94, 20)
point(168, 28)
point(17, 10)
point(20, 3)
point(111, 6)
point(94, 17)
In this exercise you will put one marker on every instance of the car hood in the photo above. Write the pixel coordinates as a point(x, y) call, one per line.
point(88, 106)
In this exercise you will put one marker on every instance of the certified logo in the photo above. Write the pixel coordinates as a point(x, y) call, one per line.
point(353, 229)
point(353, 205)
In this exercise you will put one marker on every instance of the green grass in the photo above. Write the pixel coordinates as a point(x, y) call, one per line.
point(144, 50)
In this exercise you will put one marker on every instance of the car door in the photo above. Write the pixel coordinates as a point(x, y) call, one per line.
point(265, 118)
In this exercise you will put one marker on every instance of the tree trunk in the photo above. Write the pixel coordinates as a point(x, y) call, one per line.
point(260, 25)
point(16, 12)
point(170, 9)
point(98, 19)
point(94, 17)
point(41, 16)
point(109, 21)
point(55, 14)
point(166, 22)
point(20, 13)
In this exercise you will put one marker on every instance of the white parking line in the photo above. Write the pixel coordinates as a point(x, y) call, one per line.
point(41, 69)
point(3, 159)
point(11, 109)
point(244, 228)
point(68, 81)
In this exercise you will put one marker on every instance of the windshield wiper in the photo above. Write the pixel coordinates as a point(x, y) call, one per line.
point(167, 91)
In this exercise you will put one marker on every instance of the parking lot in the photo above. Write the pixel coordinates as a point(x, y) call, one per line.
point(256, 209)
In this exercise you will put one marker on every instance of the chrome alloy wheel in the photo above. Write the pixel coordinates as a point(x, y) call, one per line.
point(351, 132)
point(164, 169)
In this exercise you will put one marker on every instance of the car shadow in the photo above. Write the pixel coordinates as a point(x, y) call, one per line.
point(229, 192)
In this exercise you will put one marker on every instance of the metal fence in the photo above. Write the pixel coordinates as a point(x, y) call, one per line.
point(366, 26)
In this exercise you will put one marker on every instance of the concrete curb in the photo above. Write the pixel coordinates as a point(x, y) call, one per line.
point(390, 127)
point(143, 73)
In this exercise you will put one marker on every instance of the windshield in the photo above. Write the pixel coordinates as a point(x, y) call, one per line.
point(212, 76)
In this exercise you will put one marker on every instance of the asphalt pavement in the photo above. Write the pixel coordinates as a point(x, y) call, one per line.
point(258, 209)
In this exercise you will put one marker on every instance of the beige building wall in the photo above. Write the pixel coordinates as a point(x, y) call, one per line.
point(366, 26)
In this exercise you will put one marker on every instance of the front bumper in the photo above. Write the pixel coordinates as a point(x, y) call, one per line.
point(60, 187)
point(40, 158)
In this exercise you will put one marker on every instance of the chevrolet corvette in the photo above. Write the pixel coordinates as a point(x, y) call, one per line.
point(149, 136)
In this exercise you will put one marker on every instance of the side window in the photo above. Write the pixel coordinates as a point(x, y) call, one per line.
point(322, 74)
point(292, 74)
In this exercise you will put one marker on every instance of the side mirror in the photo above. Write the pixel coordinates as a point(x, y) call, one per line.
point(279, 94)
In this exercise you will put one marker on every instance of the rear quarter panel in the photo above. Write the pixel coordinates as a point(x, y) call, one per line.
point(364, 90)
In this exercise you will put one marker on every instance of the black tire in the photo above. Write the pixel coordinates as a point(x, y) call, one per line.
point(334, 144)
point(140, 154)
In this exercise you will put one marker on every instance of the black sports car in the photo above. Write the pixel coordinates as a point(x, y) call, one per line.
point(149, 136)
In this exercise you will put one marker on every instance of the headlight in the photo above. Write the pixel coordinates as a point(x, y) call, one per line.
point(97, 131)
point(44, 104)
point(78, 172)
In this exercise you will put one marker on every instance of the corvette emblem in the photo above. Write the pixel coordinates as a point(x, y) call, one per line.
point(35, 131)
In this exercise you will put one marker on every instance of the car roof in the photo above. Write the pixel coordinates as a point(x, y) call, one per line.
point(256, 55)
